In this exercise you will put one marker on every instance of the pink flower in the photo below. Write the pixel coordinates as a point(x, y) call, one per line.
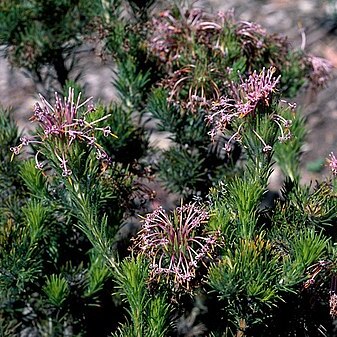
point(171, 34)
point(66, 122)
point(332, 161)
point(320, 71)
point(258, 88)
point(251, 34)
point(174, 243)
point(255, 91)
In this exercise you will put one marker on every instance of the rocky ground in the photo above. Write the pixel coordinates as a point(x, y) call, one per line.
point(316, 18)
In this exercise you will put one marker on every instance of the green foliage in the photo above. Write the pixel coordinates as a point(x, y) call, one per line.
point(130, 143)
point(186, 128)
point(248, 273)
point(306, 248)
point(243, 198)
point(39, 33)
point(97, 274)
point(131, 83)
point(182, 170)
point(256, 272)
point(286, 155)
point(306, 207)
point(293, 74)
point(34, 180)
point(22, 264)
point(9, 135)
point(148, 314)
point(56, 289)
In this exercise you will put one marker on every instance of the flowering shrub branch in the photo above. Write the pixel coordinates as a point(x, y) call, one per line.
point(67, 123)
point(72, 251)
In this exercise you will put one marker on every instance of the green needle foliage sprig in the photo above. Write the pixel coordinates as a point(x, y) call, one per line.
point(148, 314)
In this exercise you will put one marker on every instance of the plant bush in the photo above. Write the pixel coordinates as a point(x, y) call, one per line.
point(230, 260)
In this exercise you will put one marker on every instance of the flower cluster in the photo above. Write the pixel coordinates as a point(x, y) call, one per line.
point(247, 97)
point(257, 88)
point(256, 41)
point(174, 243)
point(200, 81)
point(222, 114)
point(66, 122)
point(170, 36)
point(251, 34)
point(320, 71)
point(168, 32)
point(332, 163)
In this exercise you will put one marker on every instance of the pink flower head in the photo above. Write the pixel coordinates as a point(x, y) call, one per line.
point(174, 243)
point(320, 71)
point(251, 34)
point(171, 34)
point(254, 92)
point(64, 117)
point(258, 88)
point(332, 162)
point(66, 122)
